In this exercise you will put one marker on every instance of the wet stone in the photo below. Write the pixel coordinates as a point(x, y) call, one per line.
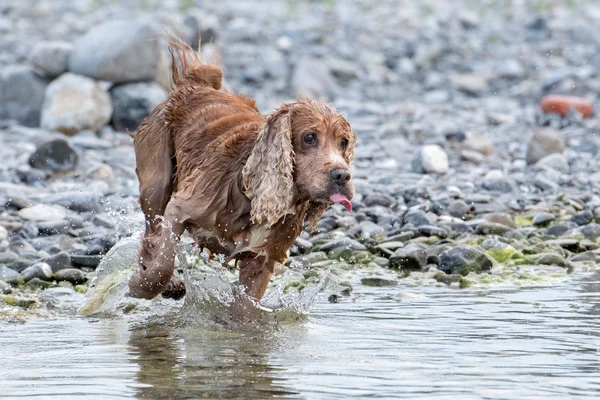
point(8, 275)
point(559, 229)
point(7, 257)
point(492, 228)
point(20, 265)
point(5, 288)
point(416, 218)
point(81, 260)
point(345, 242)
point(379, 200)
point(72, 275)
point(39, 270)
point(432, 230)
point(463, 260)
point(59, 261)
point(378, 282)
point(412, 256)
point(543, 218)
point(591, 231)
point(458, 209)
point(582, 218)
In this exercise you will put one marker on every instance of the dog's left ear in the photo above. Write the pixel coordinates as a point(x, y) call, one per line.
point(268, 174)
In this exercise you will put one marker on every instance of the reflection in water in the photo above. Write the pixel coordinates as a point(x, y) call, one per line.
point(190, 363)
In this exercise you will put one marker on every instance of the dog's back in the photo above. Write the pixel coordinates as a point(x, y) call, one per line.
point(182, 131)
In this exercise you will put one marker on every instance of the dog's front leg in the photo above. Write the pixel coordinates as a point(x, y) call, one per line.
point(255, 274)
point(156, 259)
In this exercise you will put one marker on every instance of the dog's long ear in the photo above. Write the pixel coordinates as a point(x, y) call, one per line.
point(268, 174)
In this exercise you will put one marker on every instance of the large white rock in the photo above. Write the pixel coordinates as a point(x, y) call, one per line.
point(118, 51)
point(430, 159)
point(74, 103)
point(43, 212)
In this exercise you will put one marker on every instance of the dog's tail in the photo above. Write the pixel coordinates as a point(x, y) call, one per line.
point(188, 68)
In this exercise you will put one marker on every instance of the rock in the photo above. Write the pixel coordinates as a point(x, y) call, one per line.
point(378, 282)
point(549, 259)
point(498, 185)
point(500, 251)
point(511, 69)
point(5, 288)
point(479, 143)
point(586, 256)
point(56, 155)
point(7, 257)
point(470, 84)
point(58, 261)
point(38, 270)
point(74, 103)
point(133, 102)
point(203, 27)
point(472, 156)
point(383, 200)
point(370, 230)
point(79, 201)
point(543, 218)
point(412, 257)
point(555, 161)
point(82, 260)
point(117, 51)
point(54, 227)
point(346, 242)
point(590, 231)
point(502, 218)
point(468, 19)
point(430, 159)
point(562, 104)
point(303, 245)
point(73, 275)
point(544, 183)
point(492, 228)
point(43, 212)
point(459, 209)
point(543, 143)
point(432, 230)
point(463, 260)
point(416, 218)
point(9, 276)
point(21, 94)
point(582, 218)
point(51, 57)
point(3, 234)
point(312, 78)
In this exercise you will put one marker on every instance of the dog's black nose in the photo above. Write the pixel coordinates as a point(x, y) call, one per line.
point(340, 176)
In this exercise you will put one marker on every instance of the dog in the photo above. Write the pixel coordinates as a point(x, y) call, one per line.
point(241, 183)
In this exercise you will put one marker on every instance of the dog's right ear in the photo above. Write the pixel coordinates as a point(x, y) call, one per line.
point(268, 174)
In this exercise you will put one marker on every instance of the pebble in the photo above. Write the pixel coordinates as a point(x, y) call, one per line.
point(430, 159)
point(470, 84)
point(543, 143)
point(56, 155)
point(378, 282)
point(38, 270)
point(345, 242)
point(313, 78)
point(543, 218)
point(582, 218)
point(73, 103)
point(43, 212)
point(412, 257)
point(8, 275)
point(72, 275)
point(132, 102)
point(5, 288)
point(464, 259)
point(59, 261)
point(555, 161)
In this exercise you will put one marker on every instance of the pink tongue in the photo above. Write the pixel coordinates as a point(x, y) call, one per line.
point(341, 199)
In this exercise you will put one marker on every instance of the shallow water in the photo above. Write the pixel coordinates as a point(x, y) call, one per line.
point(382, 342)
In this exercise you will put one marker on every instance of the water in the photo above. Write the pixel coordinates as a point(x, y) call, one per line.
point(410, 341)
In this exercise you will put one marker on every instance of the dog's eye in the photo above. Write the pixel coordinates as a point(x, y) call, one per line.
point(310, 139)
point(344, 143)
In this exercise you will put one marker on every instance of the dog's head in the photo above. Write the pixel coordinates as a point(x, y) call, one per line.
point(303, 153)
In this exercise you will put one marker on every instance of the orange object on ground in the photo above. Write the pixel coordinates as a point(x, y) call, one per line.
point(561, 104)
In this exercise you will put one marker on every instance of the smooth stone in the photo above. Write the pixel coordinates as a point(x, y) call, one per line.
point(81, 260)
point(55, 155)
point(117, 51)
point(43, 213)
point(7, 257)
point(582, 218)
point(412, 256)
point(37, 283)
point(21, 94)
point(416, 218)
point(75, 103)
point(132, 102)
point(543, 218)
point(383, 200)
point(8, 275)
point(432, 230)
point(555, 161)
point(430, 159)
point(73, 275)
point(459, 209)
point(543, 143)
point(470, 84)
point(51, 57)
point(59, 261)
point(79, 201)
point(370, 230)
point(38, 270)
point(303, 245)
point(590, 231)
point(492, 228)
point(19, 265)
point(5, 288)
point(378, 282)
point(586, 256)
point(345, 242)
point(464, 259)
point(549, 259)
point(502, 218)
point(392, 245)
point(313, 78)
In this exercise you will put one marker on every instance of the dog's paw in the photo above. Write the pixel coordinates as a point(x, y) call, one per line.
point(175, 290)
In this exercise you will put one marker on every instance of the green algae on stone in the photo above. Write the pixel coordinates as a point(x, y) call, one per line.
point(18, 301)
point(524, 220)
point(464, 283)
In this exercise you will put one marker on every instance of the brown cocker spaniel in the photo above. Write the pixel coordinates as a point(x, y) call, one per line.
point(241, 183)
